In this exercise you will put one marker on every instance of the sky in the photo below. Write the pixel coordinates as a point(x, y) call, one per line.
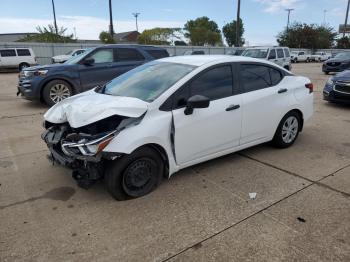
point(263, 19)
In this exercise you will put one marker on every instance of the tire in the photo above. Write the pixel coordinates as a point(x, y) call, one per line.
point(122, 177)
point(288, 130)
point(22, 66)
point(55, 91)
point(326, 73)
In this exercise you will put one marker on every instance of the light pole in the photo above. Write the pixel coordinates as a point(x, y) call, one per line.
point(346, 18)
point(289, 10)
point(136, 16)
point(54, 16)
point(324, 16)
point(111, 31)
point(237, 23)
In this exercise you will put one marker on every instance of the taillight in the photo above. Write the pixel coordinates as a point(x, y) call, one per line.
point(310, 86)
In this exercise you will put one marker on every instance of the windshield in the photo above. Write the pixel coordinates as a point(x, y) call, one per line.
point(255, 53)
point(343, 55)
point(75, 59)
point(69, 53)
point(149, 81)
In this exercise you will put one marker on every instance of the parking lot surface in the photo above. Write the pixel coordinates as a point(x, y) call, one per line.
point(204, 213)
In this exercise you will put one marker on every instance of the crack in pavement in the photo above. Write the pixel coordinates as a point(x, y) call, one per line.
point(34, 114)
point(317, 182)
point(23, 154)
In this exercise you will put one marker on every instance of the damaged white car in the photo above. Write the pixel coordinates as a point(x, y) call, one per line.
point(173, 113)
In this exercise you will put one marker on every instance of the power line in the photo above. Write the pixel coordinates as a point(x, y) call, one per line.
point(136, 16)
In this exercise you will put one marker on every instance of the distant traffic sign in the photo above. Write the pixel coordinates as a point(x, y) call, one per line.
point(342, 29)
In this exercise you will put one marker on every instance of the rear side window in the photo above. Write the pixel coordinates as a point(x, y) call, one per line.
point(129, 54)
point(280, 53)
point(272, 54)
point(23, 52)
point(255, 77)
point(215, 83)
point(286, 52)
point(157, 53)
point(7, 52)
point(276, 76)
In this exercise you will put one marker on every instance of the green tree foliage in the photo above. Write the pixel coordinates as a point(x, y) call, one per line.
point(307, 36)
point(106, 38)
point(203, 31)
point(159, 36)
point(343, 42)
point(48, 35)
point(229, 31)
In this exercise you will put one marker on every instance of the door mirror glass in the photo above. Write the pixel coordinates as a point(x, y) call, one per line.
point(89, 61)
point(196, 101)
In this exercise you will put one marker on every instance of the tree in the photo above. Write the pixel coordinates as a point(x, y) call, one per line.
point(229, 31)
point(307, 36)
point(159, 36)
point(203, 31)
point(343, 43)
point(48, 35)
point(106, 38)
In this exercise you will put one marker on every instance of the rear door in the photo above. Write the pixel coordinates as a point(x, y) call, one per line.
point(264, 101)
point(126, 59)
point(100, 72)
point(207, 130)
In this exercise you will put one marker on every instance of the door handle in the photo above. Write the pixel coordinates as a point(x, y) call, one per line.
point(282, 90)
point(232, 107)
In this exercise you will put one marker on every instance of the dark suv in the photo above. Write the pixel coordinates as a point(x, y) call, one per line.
point(53, 83)
point(339, 63)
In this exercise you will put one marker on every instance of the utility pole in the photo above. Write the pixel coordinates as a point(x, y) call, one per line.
point(237, 23)
point(288, 10)
point(54, 16)
point(346, 18)
point(111, 31)
point(324, 16)
point(136, 16)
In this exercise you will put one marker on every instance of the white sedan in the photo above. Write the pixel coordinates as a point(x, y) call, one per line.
point(173, 113)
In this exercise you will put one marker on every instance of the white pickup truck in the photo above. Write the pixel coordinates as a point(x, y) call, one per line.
point(321, 56)
point(300, 56)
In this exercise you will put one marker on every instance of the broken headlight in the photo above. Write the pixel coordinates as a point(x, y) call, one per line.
point(87, 145)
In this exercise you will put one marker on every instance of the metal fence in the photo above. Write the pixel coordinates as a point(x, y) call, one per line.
point(45, 51)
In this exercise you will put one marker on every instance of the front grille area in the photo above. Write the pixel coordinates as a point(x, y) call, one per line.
point(333, 64)
point(23, 82)
point(342, 87)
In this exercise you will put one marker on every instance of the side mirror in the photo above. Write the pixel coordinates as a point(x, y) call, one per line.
point(89, 61)
point(196, 101)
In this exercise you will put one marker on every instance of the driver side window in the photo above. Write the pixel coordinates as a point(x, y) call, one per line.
point(103, 56)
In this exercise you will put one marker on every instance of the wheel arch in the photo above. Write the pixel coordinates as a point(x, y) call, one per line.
point(74, 89)
point(300, 113)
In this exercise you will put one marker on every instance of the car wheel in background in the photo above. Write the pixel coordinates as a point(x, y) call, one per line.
point(288, 130)
point(22, 66)
point(55, 91)
point(134, 175)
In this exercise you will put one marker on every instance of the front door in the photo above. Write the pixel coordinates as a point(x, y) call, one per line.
point(208, 130)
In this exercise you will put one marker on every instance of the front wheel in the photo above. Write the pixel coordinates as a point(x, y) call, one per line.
point(288, 130)
point(134, 175)
point(56, 91)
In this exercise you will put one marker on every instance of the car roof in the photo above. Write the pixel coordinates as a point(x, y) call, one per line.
point(200, 60)
point(266, 47)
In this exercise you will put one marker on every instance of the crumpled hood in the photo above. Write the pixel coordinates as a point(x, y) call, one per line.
point(89, 107)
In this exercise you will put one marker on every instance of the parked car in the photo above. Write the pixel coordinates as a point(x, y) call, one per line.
point(236, 51)
point(194, 52)
point(69, 55)
point(17, 58)
point(300, 56)
point(320, 56)
point(173, 113)
point(53, 83)
point(277, 55)
point(339, 63)
point(337, 88)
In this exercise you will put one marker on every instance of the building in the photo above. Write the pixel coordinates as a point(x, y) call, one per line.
point(14, 37)
point(126, 37)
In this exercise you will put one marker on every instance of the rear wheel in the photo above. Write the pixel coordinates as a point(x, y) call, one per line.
point(288, 130)
point(134, 175)
point(56, 91)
